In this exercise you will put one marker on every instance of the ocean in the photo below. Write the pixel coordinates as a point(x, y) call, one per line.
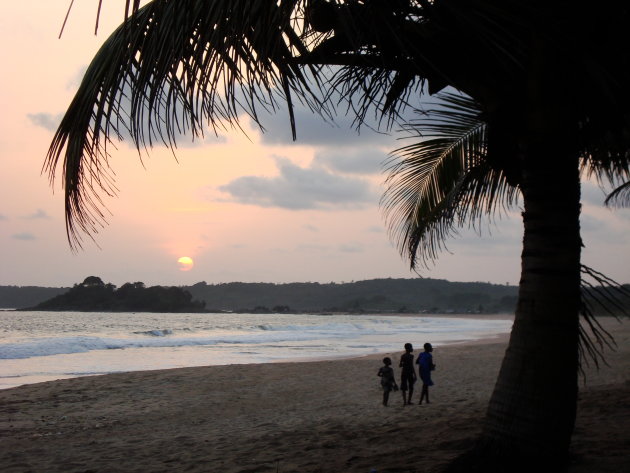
point(45, 346)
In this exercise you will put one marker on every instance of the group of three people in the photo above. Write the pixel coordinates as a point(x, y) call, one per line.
point(408, 374)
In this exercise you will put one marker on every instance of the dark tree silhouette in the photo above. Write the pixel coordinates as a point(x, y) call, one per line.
point(92, 281)
point(549, 80)
point(93, 296)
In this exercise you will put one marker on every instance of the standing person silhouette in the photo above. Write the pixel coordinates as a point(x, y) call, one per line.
point(425, 362)
point(388, 382)
point(408, 374)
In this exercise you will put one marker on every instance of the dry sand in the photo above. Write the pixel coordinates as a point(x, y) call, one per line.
point(323, 416)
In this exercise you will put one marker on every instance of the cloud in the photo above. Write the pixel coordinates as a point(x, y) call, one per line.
point(602, 228)
point(312, 248)
point(180, 123)
point(24, 236)
point(590, 223)
point(623, 214)
point(3, 217)
point(365, 160)
point(39, 214)
point(351, 248)
point(299, 188)
point(187, 141)
point(314, 130)
point(75, 81)
point(592, 194)
point(47, 121)
point(51, 122)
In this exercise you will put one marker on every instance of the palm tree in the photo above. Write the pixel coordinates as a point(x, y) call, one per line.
point(547, 83)
point(444, 180)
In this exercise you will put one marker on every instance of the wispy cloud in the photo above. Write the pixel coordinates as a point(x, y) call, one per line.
point(314, 130)
point(45, 120)
point(311, 247)
point(364, 160)
point(24, 236)
point(592, 194)
point(39, 214)
point(151, 136)
point(351, 248)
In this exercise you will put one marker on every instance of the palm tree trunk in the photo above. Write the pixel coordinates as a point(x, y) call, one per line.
point(531, 414)
point(532, 410)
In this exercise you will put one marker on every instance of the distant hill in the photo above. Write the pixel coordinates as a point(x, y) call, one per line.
point(15, 297)
point(375, 295)
point(369, 296)
point(94, 295)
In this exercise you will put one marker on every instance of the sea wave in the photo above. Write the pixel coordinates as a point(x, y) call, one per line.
point(356, 334)
point(156, 332)
point(83, 344)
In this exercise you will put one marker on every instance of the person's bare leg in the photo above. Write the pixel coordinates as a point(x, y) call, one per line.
point(424, 393)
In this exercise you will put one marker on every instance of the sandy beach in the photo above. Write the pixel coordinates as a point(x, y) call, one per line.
point(319, 416)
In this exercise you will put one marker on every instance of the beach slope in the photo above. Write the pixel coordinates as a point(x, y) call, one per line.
point(321, 416)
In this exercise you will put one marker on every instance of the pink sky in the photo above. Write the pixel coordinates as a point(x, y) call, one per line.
point(258, 209)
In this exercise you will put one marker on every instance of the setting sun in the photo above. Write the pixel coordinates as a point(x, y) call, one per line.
point(185, 263)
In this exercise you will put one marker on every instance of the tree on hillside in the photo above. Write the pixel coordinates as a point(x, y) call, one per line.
point(92, 281)
point(94, 295)
point(541, 95)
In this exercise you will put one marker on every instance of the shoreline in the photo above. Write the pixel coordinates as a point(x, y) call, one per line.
point(30, 370)
point(312, 417)
point(481, 315)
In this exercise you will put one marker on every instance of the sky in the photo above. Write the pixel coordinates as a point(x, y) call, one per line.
point(255, 208)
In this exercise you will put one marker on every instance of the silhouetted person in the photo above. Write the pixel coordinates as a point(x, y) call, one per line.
point(425, 362)
point(408, 375)
point(388, 382)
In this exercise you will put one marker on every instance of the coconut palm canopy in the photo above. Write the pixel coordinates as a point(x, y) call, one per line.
point(541, 96)
point(178, 66)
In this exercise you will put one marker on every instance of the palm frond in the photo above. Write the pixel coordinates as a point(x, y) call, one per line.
point(611, 168)
point(600, 295)
point(437, 183)
point(168, 69)
point(372, 91)
point(619, 196)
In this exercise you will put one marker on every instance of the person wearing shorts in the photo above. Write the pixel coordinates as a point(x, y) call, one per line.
point(408, 374)
point(425, 366)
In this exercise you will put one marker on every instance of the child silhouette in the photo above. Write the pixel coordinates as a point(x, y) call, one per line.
point(388, 382)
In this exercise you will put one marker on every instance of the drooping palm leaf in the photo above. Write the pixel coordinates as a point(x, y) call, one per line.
point(619, 196)
point(168, 69)
point(599, 295)
point(175, 66)
point(437, 183)
point(608, 162)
